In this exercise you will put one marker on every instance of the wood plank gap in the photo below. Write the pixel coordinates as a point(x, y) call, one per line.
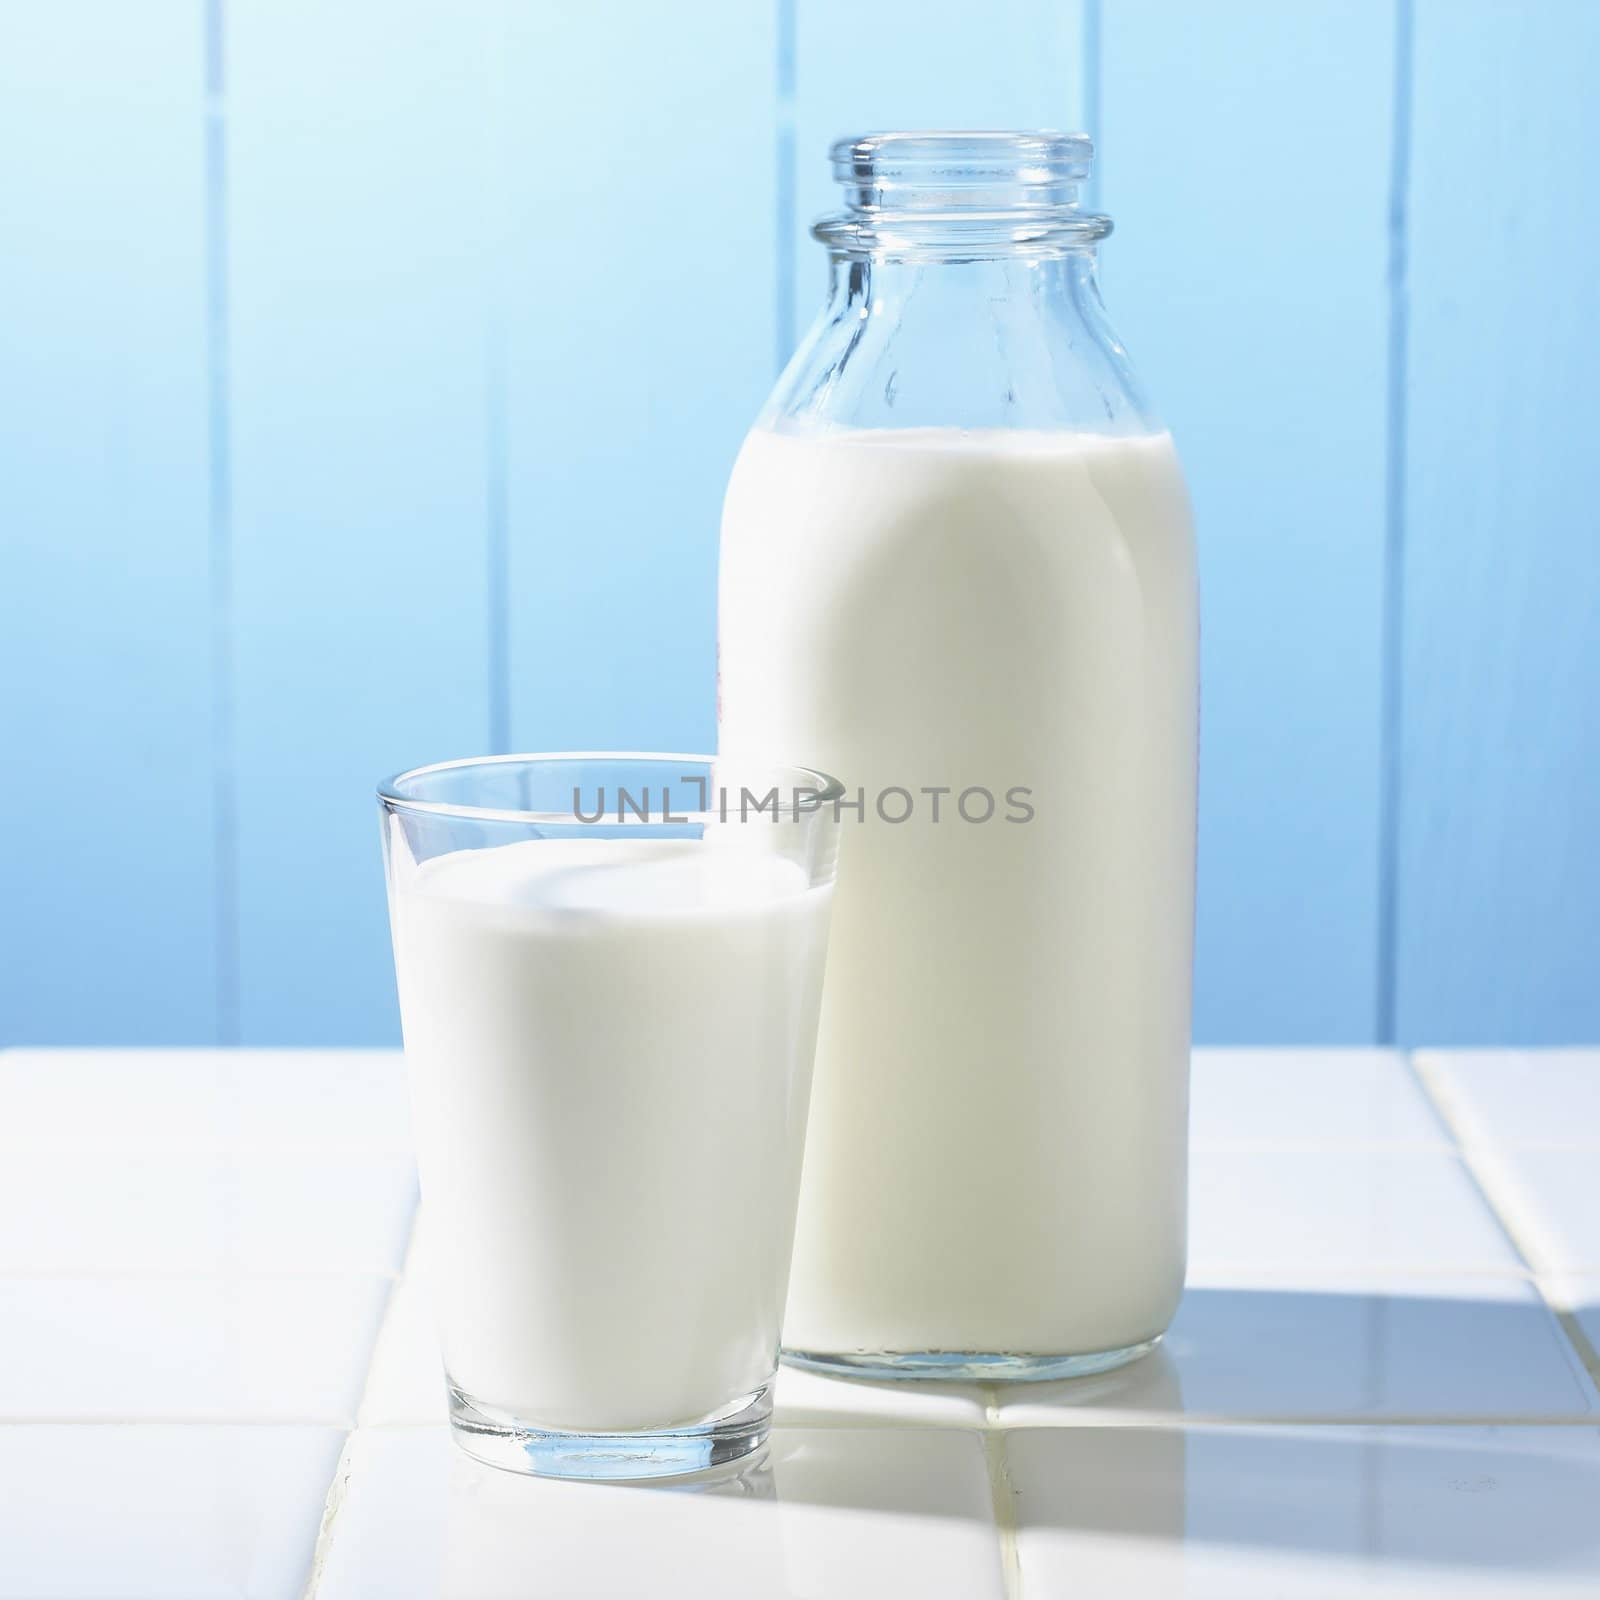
point(1089, 77)
point(497, 416)
point(225, 821)
point(784, 217)
point(1392, 711)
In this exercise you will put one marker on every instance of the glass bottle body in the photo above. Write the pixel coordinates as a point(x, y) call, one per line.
point(958, 573)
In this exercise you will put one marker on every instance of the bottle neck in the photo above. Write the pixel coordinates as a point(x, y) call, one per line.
point(996, 286)
point(962, 294)
point(982, 342)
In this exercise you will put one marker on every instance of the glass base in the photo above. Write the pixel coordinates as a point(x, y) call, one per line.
point(966, 1366)
point(503, 1440)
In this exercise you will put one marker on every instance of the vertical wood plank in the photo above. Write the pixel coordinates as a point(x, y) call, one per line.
point(108, 871)
point(1499, 887)
point(638, 177)
point(908, 64)
point(1246, 158)
point(357, 146)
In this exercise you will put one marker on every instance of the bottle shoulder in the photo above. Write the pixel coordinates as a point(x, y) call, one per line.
point(1006, 345)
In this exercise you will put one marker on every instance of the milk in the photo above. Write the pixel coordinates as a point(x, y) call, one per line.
point(996, 1154)
point(610, 1045)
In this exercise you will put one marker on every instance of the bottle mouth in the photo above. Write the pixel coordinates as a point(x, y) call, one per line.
point(1004, 189)
point(975, 171)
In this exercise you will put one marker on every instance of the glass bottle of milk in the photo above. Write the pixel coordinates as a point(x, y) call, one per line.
point(958, 573)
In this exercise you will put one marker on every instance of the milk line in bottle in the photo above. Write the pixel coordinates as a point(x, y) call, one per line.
point(957, 551)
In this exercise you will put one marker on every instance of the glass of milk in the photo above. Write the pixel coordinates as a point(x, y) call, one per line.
point(610, 970)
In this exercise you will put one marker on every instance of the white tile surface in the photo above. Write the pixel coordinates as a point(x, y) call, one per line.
point(1278, 1514)
point(199, 1100)
point(1550, 1198)
point(834, 1512)
point(1337, 1349)
point(1349, 1097)
point(1519, 1096)
point(1346, 1271)
point(158, 1212)
point(1344, 1210)
point(160, 1513)
point(186, 1349)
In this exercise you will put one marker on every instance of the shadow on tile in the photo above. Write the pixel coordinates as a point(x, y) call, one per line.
point(1104, 1500)
point(1378, 1348)
point(1415, 1349)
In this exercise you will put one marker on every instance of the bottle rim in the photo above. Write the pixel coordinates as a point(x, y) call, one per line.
point(982, 190)
point(913, 160)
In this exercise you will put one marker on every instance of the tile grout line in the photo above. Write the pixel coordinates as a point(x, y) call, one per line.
point(223, 1419)
point(1470, 1155)
point(332, 1505)
point(1002, 1495)
point(1479, 1160)
point(1121, 1422)
point(391, 1309)
point(333, 1501)
point(200, 1274)
point(1222, 1421)
point(1568, 1319)
point(1325, 1146)
point(1481, 1163)
point(1257, 1273)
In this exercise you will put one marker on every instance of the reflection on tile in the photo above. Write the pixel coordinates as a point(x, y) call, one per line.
point(202, 1213)
point(1151, 1387)
point(810, 1400)
point(1340, 1210)
point(1251, 1513)
point(129, 1513)
point(1551, 1199)
point(182, 1349)
point(1296, 1348)
point(1520, 1096)
point(197, 1100)
point(832, 1512)
point(1309, 1097)
point(406, 1383)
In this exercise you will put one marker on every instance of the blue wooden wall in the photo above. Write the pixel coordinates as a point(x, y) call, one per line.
point(369, 374)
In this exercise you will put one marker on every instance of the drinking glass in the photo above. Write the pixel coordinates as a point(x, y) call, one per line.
point(610, 969)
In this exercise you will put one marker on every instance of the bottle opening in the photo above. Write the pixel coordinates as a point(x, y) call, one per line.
point(962, 172)
point(961, 196)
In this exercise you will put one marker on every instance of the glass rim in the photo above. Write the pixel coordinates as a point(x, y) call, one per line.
point(827, 789)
